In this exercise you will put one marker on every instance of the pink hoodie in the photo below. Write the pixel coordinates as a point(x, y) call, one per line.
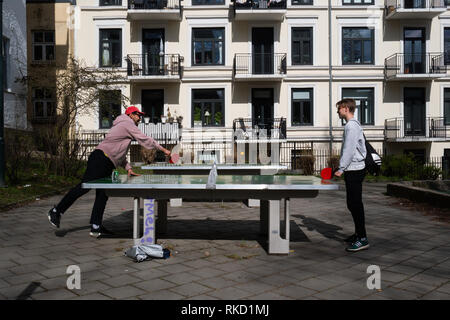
point(118, 140)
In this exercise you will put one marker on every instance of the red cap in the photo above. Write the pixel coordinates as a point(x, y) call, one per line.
point(132, 109)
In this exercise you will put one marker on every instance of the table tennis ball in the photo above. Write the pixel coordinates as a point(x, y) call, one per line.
point(242, 153)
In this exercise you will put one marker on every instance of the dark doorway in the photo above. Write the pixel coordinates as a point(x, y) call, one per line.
point(153, 51)
point(414, 50)
point(262, 50)
point(414, 110)
point(153, 104)
point(262, 109)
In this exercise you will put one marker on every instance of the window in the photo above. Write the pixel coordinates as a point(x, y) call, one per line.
point(447, 106)
point(302, 2)
point(447, 45)
point(110, 2)
point(302, 53)
point(44, 106)
point(208, 46)
point(6, 62)
point(43, 45)
point(357, 46)
point(109, 107)
point(207, 2)
point(364, 98)
point(110, 47)
point(302, 107)
point(357, 2)
point(208, 107)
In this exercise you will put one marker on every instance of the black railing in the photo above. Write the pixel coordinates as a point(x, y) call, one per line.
point(153, 4)
point(259, 63)
point(392, 5)
point(259, 4)
point(398, 128)
point(405, 63)
point(268, 128)
point(153, 64)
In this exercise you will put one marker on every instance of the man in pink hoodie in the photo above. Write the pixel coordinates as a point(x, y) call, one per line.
point(108, 155)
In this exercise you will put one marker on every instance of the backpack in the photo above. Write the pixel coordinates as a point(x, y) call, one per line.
point(373, 159)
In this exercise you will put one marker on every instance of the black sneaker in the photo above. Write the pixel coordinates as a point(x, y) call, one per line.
point(99, 232)
point(351, 239)
point(54, 216)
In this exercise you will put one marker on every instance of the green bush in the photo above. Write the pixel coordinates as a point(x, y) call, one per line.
point(306, 162)
point(428, 172)
point(406, 167)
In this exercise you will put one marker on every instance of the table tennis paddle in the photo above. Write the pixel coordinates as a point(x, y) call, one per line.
point(326, 173)
point(174, 157)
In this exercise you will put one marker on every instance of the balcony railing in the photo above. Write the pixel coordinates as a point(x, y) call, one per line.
point(259, 64)
point(251, 129)
point(154, 64)
point(414, 4)
point(404, 63)
point(400, 128)
point(153, 4)
point(259, 4)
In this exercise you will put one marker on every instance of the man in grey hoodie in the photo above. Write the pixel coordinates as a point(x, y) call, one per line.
point(108, 155)
point(352, 165)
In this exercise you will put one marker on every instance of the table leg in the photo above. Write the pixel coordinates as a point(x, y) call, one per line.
point(136, 211)
point(264, 217)
point(277, 245)
point(162, 216)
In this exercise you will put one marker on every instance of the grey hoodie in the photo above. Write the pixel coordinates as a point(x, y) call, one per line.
point(353, 151)
point(118, 140)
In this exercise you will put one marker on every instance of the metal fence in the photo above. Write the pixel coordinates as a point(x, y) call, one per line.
point(259, 64)
point(409, 63)
point(153, 4)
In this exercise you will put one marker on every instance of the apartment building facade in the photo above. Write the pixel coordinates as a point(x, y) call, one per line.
point(214, 62)
point(50, 44)
point(14, 53)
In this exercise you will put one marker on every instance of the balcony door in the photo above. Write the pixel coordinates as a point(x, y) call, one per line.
point(414, 4)
point(153, 51)
point(262, 50)
point(262, 109)
point(153, 104)
point(414, 50)
point(414, 111)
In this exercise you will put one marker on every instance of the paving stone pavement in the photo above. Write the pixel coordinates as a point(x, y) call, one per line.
point(217, 253)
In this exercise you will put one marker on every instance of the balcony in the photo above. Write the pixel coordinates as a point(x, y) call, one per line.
point(154, 67)
point(260, 10)
point(426, 66)
point(154, 10)
point(415, 130)
point(259, 66)
point(259, 129)
point(414, 9)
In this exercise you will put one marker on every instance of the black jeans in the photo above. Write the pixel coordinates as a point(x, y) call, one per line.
point(353, 185)
point(98, 166)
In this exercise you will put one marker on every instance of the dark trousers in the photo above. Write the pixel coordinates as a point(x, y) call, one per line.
point(353, 185)
point(98, 166)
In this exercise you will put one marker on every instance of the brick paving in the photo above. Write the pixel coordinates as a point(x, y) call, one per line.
point(217, 253)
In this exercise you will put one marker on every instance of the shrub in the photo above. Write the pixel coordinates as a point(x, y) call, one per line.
point(306, 162)
point(428, 172)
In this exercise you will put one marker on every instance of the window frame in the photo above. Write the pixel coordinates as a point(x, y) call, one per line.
point(297, 2)
point(111, 105)
point(100, 43)
point(101, 3)
point(371, 107)
point(213, 46)
point(311, 99)
point(446, 55)
point(43, 46)
point(352, 3)
point(311, 47)
point(446, 116)
point(372, 47)
point(205, 3)
point(213, 105)
point(45, 102)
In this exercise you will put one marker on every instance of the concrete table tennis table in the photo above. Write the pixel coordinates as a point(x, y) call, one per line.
point(223, 168)
point(270, 190)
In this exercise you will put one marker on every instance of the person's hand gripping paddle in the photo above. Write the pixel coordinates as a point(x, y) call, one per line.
point(173, 158)
point(327, 173)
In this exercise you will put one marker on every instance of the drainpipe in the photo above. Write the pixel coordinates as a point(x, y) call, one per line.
point(330, 79)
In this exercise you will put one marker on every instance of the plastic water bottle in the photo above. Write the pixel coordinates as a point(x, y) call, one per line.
point(212, 177)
